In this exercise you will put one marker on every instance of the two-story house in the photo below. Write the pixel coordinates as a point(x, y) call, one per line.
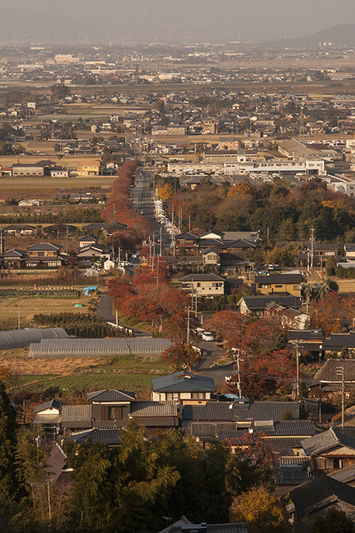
point(203, 284)
point(183, 387)
point(287, 283)
point(44, 254)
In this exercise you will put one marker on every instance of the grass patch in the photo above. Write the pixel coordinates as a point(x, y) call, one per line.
point(87, 382)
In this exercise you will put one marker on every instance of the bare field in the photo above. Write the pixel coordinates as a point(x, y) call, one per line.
point(346, 285)
point(31, 183)
point(34, 306)
point(28, 366)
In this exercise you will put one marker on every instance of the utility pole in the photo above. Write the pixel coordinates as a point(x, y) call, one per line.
point(268, 236)
point(298, 372)
point(188, 325)
point(161, 243)
point(341, 372)
point(312, 247)
point(67, 240)
point(239, 384)
point(189, 223)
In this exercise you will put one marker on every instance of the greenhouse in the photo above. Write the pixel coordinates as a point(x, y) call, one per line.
point(98, 347)
point(19, 338)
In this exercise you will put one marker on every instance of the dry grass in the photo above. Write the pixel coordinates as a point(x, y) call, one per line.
point(56, 184)
point(346, 285)
point(33, 306)
point(26, 366)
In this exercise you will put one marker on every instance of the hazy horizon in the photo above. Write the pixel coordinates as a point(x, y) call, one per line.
point(168, 21)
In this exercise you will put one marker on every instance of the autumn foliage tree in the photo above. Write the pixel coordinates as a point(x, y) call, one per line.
point(149, 297)
point(332, 312)
point(181, 355)
point(263, 375)
point(259, 508)
point(118, 209)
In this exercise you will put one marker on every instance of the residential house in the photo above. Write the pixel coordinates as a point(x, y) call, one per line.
point(322, 252)
point(315, 497)
point(14, 258)
point(44, 254)
point(29, 203)
point(48, 416)
point(115, 226)
point(230, 417)
point(261, 304)
point(87, 240)
point(184, 387)
point(329, 450)
point(186, 240)
point(188, 527)
point(328, 380)
point(239, 246)
point(203, 284)
point(349, 252)
point(310, 340)
point(92, 251)
point(344, 475)
point(19, 229)
point(210, 256)
point(90, 168)
point(108, 412)
point(286, 283)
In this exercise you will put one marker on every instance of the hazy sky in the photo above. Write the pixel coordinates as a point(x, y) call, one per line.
point(169, 20)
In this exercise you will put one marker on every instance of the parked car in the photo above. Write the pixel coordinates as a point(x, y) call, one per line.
point(207, 336)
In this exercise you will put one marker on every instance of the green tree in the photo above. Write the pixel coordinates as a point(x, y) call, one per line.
point(333, 521)
point(92, 490)
point(8, 440)
point(60, 91)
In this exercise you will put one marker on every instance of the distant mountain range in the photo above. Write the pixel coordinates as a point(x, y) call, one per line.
point(340, 35)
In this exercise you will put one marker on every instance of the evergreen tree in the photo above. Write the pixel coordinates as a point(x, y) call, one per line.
point(8, 427)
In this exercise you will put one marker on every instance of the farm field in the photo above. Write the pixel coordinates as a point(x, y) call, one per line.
point(128, 372)
point(84, 382)
point(28, 307)
point(30, 183)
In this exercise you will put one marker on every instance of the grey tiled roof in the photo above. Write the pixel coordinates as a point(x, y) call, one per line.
point(108, 436)
point(74, 413)
point(327, 440)
point(279, 278)
point(302, 334)
point(211, 429)
point(56, 462)
point(183, 382)
point(52, 404)
point(344, 474)
point(220, 411)
point(259, 302)
point(315, 493)
point(295, 427)
point(44, 246)
point(328, 372)
point(337, 341)
point(111, 395)
point(153, 409)
point(211, 528)
point(202, 277)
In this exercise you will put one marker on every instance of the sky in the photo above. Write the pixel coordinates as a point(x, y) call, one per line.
point(170, 21)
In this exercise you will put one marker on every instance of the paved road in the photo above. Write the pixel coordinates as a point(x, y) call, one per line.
point(104, 309)
point(142, 200)
point(211, 353)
